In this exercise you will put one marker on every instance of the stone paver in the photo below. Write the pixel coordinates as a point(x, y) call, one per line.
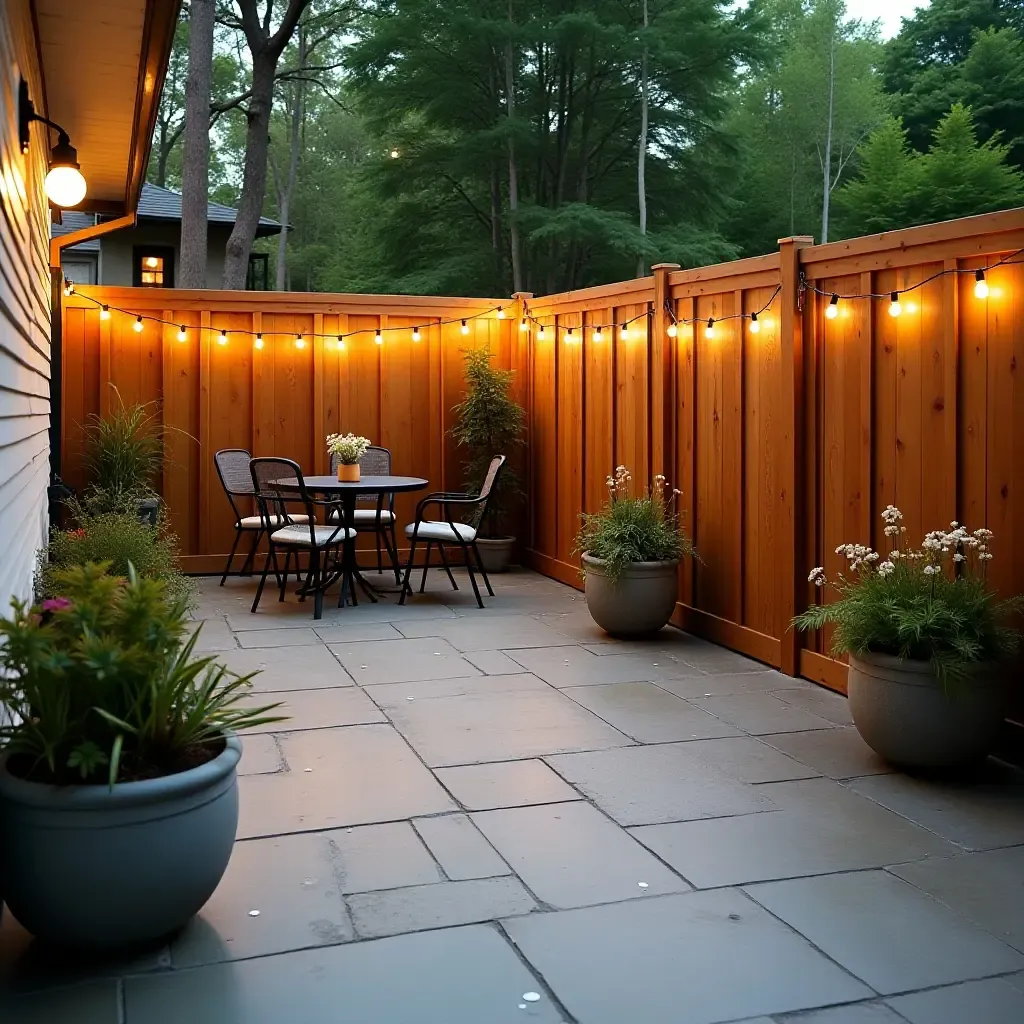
point(515, 773)
point(885, 931)
point(713, 953)
point(571, 855)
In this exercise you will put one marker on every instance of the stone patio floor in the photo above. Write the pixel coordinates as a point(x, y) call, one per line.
point(504, 817)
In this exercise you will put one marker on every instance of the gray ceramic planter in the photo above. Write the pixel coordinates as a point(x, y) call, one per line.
point(639, 602)
point(495, 552)
point(90, 866)
point(903, 713)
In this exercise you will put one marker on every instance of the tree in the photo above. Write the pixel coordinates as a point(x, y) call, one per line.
point(957, 177)
point(196, 156)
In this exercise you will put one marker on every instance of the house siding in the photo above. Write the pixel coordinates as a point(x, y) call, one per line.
point(24, 315)
point(116, 251)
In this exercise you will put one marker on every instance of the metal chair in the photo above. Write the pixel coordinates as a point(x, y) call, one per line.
point(376, 461)
point(286, 531)
point(233, 469)
point(450, 532)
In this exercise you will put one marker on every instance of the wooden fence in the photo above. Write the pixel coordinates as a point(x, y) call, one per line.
point(279, 395)
point(785, 441)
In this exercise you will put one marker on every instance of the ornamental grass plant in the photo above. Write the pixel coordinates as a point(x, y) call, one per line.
point(931, 603)
point(642, 528)
point(103, 684)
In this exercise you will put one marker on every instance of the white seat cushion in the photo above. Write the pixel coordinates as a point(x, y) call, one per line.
point(299, 535)
point(254, 522)
point(429, 530)
point(367, 516)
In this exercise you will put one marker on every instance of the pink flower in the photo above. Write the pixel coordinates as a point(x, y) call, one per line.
point(56, 604)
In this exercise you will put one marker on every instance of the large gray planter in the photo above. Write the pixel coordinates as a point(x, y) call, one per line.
point(90, 866)
point(903, 712)
point(639, 602)
point(495, 553)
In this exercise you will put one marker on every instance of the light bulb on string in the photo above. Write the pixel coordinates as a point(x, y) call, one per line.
point(378, 338)
point(258, 343)
point(540, 333)
point(182, 333)
point(300, 341)
point(416, 334)
point(895, 307)
point(501, 313)
point(755, 327)
point(832, 310)
point(598, 336)
point(624, 332)
point(523, 325)
point(104, 312)
point(137, 326)
point(673, 330)
point(464, 328)
point(709, 331)
point(341, 343)
point(223, 339)
point(69, 287)
point(570, 339)
point(980, 285)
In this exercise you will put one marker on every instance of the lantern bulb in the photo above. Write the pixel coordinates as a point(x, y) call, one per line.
point(223, 339)
point(832, 310)
point(378, 338)
point(501, 313)
point(523, 325)
point(895, 308)
point(624, 332)
point(540, 333)
point(598, 336)
point(672, 330)
point(300, 341)
point(980, 285)
point(137, 326)
point(755, 327)
point(416, 334)
point(465, 327)
point(709, 331)
point(104, 312)
point(182, 333)
point(258, 343)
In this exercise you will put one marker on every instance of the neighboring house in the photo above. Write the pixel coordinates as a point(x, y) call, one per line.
point(147, 255)
point(96, 68)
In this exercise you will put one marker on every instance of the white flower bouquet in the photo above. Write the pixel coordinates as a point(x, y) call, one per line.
point(349, 448)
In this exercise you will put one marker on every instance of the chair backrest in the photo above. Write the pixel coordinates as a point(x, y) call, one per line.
point(376, 461)
point(489, 485)
point(267, 476)
point(233, 469)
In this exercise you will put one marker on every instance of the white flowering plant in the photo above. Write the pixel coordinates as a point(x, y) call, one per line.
point(349, 448)
point(931, 603)
point(641, 528)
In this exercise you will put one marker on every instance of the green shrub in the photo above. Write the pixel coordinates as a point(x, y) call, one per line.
point(629, 529)
point(119, 538)
point(103, 686)
point(930, 603)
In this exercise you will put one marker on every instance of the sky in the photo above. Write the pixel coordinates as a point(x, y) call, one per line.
point(889, 12)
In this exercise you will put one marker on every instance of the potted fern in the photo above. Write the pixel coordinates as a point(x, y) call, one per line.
point(490, 422)
point(630, 552)
point(118, 795)
point(928, 644)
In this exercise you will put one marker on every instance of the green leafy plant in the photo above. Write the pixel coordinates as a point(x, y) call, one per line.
point(120, 539)
point(489, 422)
point(124, 455)
point(930, 603)
point(104, 686)
point(644, 528)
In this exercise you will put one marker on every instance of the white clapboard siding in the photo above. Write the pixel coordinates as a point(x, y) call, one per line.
point(24, 316)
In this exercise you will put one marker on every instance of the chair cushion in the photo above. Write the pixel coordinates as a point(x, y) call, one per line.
point(299, 535)
point(254, 522)
point(366, 517)
point(429, 530)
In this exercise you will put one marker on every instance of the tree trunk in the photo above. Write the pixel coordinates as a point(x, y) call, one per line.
point(827, 169)
point(513, 171)
point(195, 158)
point(254, 172)
point(641, 161)
point(284, 206)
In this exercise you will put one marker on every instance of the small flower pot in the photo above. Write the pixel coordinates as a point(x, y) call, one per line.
point(495, 553)
point(905, 714)
point(639, 602)
point(348, 472)
point(100, 868)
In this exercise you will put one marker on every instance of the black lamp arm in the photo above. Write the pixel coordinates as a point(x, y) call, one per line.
point(27, 114)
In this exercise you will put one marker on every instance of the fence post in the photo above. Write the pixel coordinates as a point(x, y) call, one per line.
point(522, 348)
point(791, 499)
point(661, 376)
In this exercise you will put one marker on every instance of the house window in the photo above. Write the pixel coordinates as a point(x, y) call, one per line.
point(257, 276)
point(153, 266)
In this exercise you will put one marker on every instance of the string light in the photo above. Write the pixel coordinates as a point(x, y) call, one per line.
point(598, 336)
point(341, 343)
point(223, 339)
point(540, 333)
point(501, 313)
point(137, 326)
point(980, 285)
point(465, 327)
point(755, 326)
point(182, 333)
point(523, 325)
point(258, 343)
point(300, 341)
point(709, 331)
point(624, 332)
point(416, 334)
point(104, 312)
point(69, 287)
point(378, 338)
point(833, 307)
point(569, 338)
point(894, 304)
point(672, 330)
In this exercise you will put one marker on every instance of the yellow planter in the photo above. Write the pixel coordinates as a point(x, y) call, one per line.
point(348, 473)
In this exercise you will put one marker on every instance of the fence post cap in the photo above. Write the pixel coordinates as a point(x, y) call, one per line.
point(522, 295)
point(664, 266)
point(797, 239)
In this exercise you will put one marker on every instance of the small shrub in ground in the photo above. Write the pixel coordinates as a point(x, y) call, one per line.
point(104, 688)
point(645, 528)
point(118, 538)
point(931, 603)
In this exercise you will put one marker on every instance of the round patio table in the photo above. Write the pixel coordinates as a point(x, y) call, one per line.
point(346, 492)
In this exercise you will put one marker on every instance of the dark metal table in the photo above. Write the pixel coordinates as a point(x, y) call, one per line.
point(346, 493)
